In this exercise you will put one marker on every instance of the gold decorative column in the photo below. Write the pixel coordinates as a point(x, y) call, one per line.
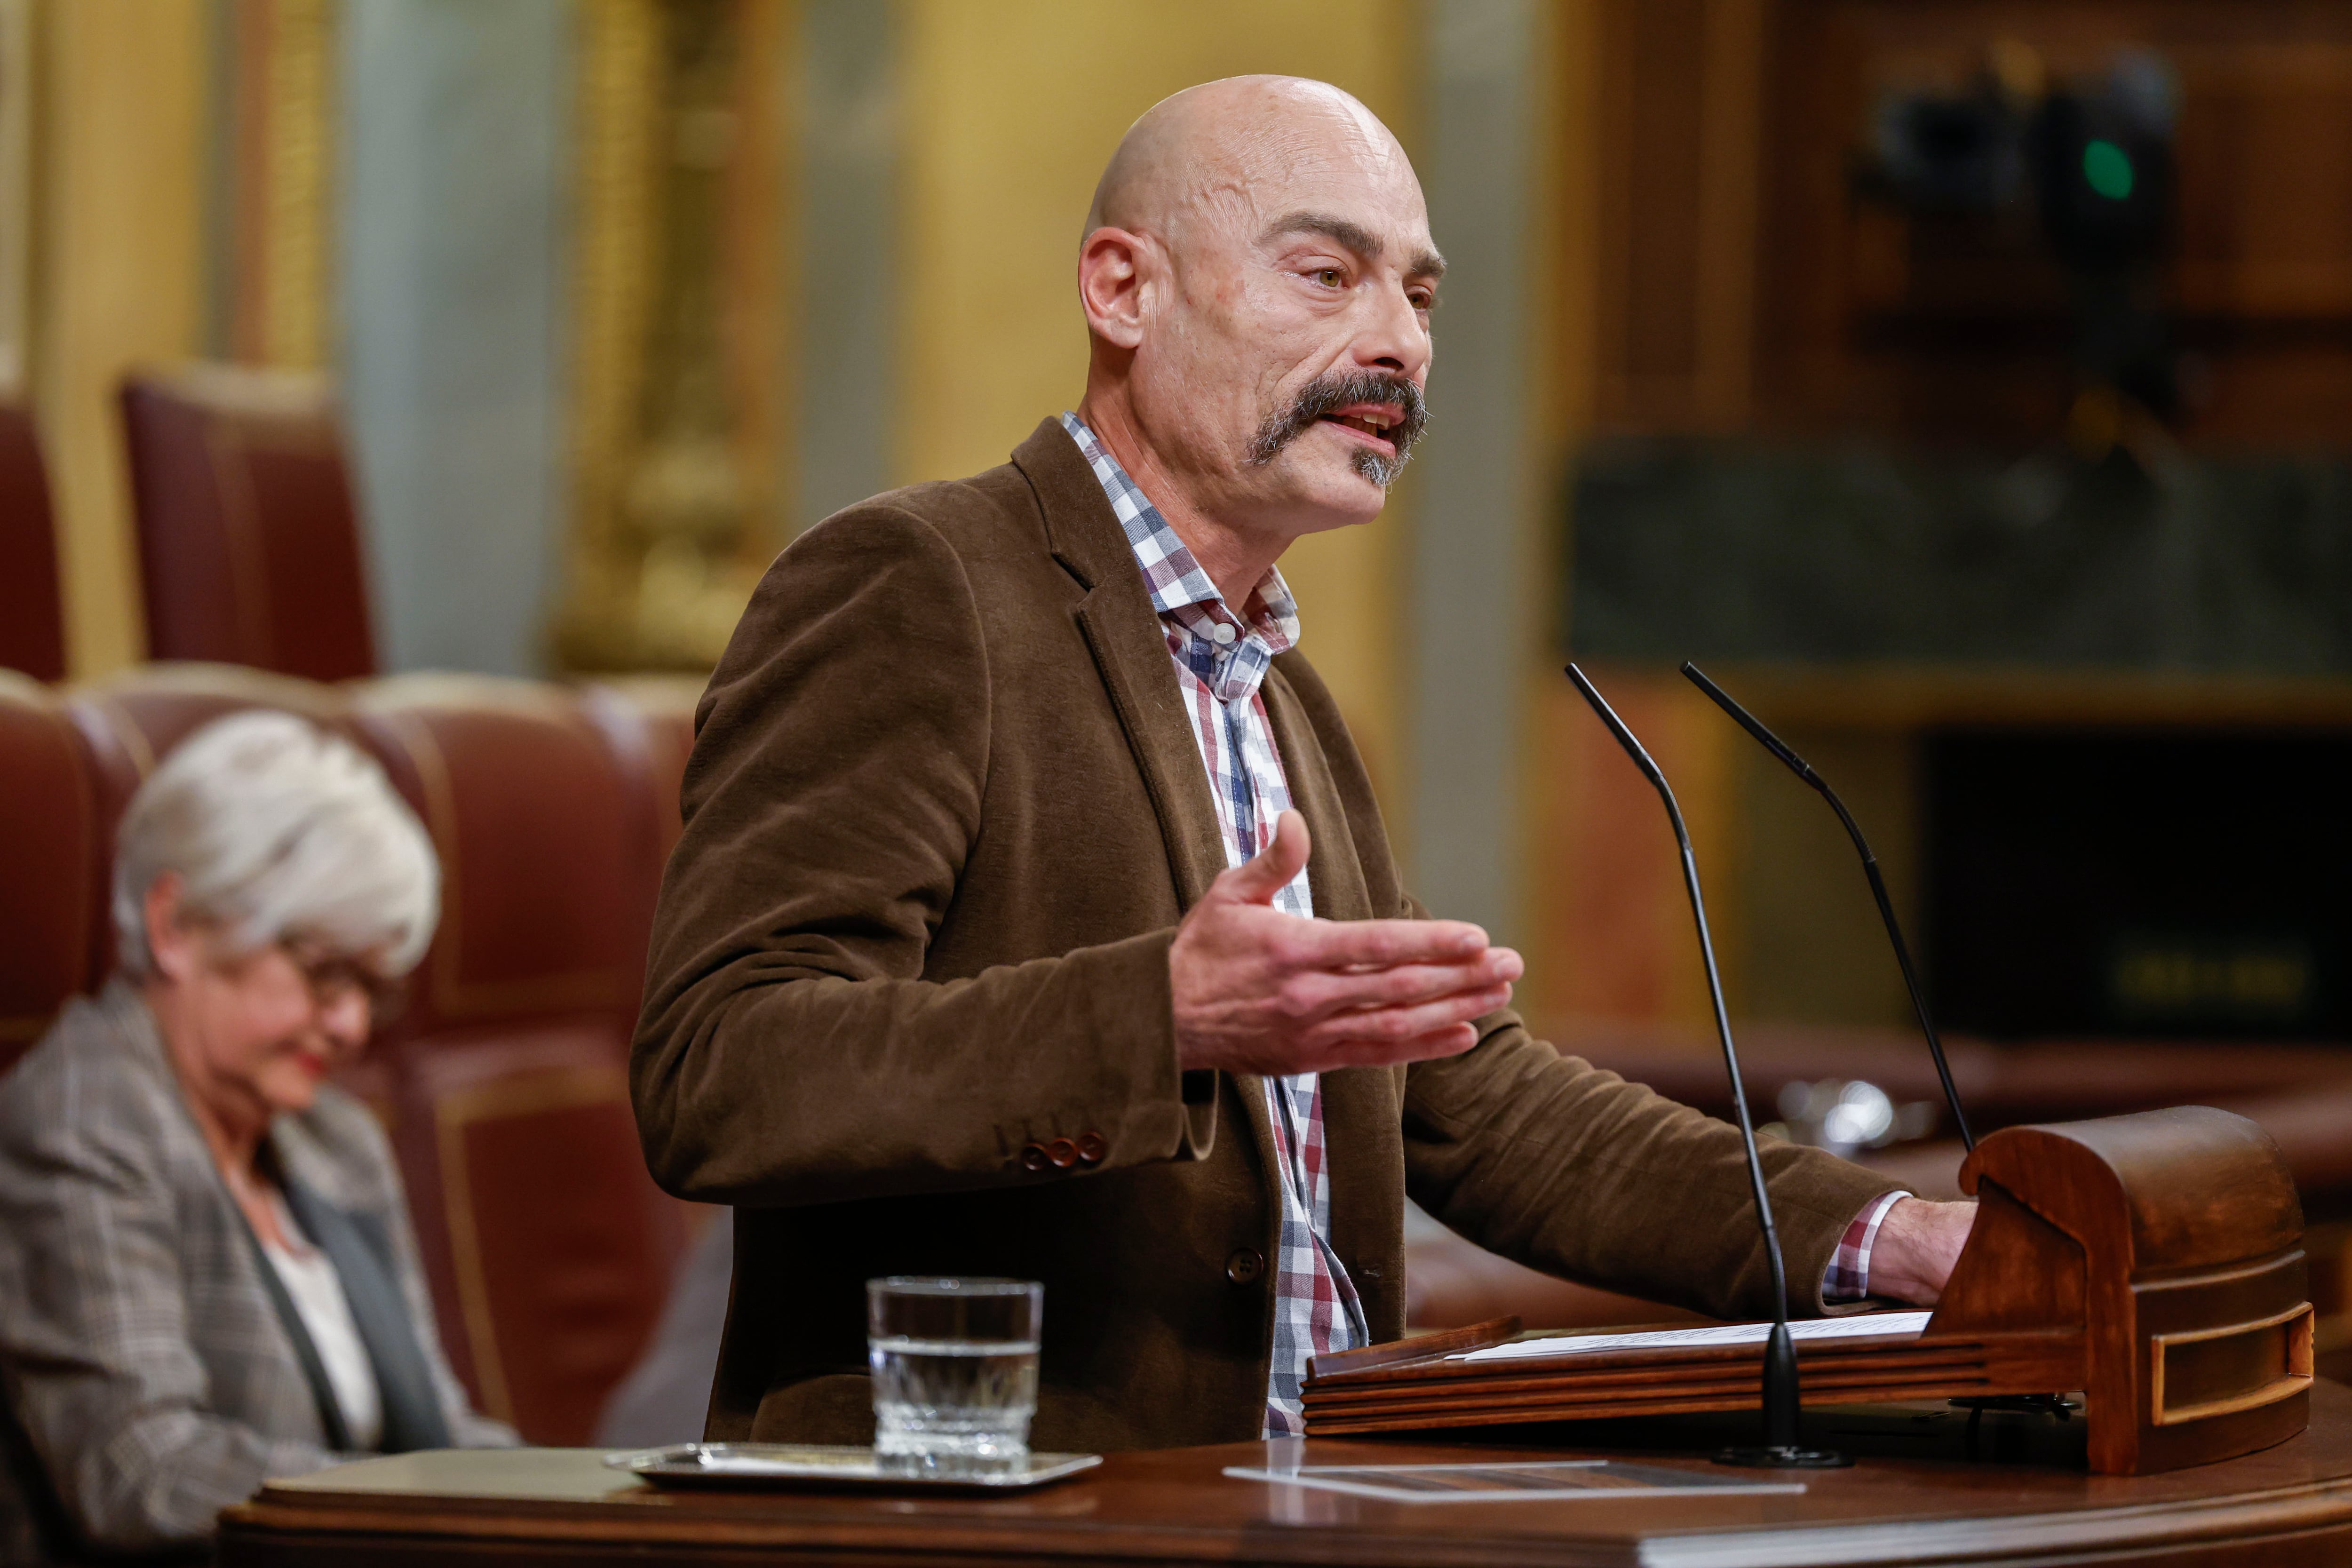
point(679, 366)
point(273, 305)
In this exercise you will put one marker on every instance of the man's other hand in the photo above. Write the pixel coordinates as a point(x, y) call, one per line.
point(1259, 990)
point(1917, 1243)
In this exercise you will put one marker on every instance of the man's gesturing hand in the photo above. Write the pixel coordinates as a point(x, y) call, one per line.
point(1259, 990)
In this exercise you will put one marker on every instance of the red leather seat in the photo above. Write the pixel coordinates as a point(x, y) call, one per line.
point(648, 725)
point(504, 1079)
point(32, 615)
point(248, 540)
point(526, 1178)
point(49, 839)
point(551, 1249)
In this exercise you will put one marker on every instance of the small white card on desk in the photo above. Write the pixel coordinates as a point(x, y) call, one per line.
point(1861, 1326)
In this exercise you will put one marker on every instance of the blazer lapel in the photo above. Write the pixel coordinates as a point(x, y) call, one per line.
point(298, 1339)
point(412, 1411)
point(1129, 650)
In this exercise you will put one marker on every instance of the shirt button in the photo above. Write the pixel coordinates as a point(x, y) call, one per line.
point(1221, 633)
point(1035, 1158)
point(1093, 1148)
point(1245, 1266)
point(1062, 1153)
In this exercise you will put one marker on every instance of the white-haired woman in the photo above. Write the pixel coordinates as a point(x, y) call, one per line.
point(207, 1271)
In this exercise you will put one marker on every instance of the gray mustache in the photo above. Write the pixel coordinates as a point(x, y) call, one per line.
point(1328, 395)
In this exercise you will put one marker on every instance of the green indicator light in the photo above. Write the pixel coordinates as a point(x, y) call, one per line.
point(2108, 168)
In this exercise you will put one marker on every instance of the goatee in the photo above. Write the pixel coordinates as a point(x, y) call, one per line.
point(1328, 395)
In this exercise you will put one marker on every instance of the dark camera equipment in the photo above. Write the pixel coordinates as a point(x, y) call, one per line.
point(2096, 158)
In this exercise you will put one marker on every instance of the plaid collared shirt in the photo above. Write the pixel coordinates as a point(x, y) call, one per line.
point(1219, 660)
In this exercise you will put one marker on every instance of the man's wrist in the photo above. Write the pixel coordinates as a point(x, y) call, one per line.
point(1918, 1243)
point(1847, 1278)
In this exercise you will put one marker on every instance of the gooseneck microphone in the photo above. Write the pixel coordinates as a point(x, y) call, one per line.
point(1780, 1449)
point(1804, 769)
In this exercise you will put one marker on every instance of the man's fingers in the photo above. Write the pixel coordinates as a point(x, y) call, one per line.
point(1344, 944)
point(1273, 867)
point(1318, 992)
point(1405, 1023)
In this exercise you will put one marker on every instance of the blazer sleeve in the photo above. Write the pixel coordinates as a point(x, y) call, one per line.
point(96, 1335)
point(790, 1050)
point(1573, 1170)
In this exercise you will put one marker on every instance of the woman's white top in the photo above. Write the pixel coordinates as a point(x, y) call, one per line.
point(317, 1292)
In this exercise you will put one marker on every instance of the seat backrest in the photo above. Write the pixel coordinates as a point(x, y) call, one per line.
point(648, 723)
point(545, 859)
point(248, 538)
point(32, 613)
point(554, 1249)
point(550, 1248)
point(48, 839)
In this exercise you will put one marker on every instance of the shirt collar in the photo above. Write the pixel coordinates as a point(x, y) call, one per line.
point(1178, 586)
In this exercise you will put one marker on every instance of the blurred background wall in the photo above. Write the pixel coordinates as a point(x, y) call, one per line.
point(1938, 373)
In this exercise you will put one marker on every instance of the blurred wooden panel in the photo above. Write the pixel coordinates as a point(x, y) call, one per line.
point(1678, 105)
point(1747, 279)
point(2266, 181)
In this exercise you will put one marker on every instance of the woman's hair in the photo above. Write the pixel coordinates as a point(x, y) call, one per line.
point(278, 829)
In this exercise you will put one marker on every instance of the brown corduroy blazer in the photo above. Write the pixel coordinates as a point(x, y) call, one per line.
point(943, 815)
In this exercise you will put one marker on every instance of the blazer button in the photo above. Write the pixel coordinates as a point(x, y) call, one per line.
point(1035, 1158)
point(1062, 1153)
point(1245, 1266)
point(1093, 1148)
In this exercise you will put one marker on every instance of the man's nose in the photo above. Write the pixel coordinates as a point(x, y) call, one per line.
point(1392, 337)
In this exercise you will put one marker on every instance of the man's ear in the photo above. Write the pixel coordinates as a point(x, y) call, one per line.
point(1114, 266)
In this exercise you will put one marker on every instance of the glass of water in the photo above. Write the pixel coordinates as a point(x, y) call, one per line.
point(955, 1372)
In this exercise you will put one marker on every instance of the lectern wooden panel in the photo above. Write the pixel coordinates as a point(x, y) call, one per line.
point(2151, 1261)
point(1928, 1486)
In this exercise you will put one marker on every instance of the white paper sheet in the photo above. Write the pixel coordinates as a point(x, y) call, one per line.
point(1811, 1329)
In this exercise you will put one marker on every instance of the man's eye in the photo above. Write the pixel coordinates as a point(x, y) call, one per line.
point(1329, 277)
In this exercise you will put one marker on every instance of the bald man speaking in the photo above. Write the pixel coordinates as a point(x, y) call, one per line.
point(1034, 915)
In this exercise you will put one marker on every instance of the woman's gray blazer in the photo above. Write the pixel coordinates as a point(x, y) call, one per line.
point(140, 1351)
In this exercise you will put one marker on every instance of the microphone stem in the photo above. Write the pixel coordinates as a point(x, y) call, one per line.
point(1804, 769)
point(1903, 958)
point(1731, 1067)
point(1780, 1397)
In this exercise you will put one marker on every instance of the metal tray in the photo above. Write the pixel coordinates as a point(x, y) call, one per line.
point(765, 1465)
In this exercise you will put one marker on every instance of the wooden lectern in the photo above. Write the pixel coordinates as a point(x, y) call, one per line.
point(2152, 1261)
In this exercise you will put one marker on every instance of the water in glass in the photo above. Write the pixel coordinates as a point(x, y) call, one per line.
point(955, 1372)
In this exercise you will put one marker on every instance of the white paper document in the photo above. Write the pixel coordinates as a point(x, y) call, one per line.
point(1857, 1327)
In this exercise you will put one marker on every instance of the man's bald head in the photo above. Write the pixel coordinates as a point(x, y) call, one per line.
point(1214, 144)
point(1257, 275)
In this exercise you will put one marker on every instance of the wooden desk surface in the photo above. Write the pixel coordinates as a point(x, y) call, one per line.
point(2284, 1508)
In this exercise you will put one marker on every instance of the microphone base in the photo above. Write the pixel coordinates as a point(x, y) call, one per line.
point(1784, 1458)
